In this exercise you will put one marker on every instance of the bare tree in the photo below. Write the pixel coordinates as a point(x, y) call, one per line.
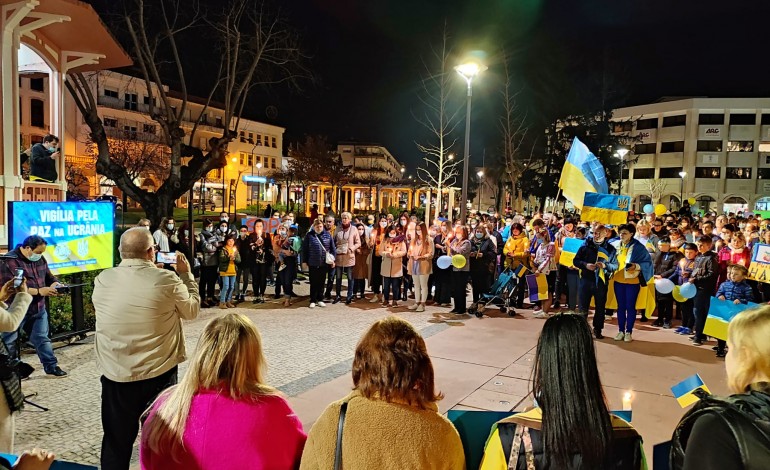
point(77, 181)
point(657, 188)
point(439, 169)
point(255, 48)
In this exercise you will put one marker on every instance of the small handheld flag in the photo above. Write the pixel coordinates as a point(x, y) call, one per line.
point(520, 270)
point(683, 391)
point(608, 209)
point(538, 287)
point(603, 256)
point(569, 250)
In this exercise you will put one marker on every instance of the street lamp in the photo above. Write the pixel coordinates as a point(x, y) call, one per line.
point(259, 188)
point(620, 153)
point(468, 71)
point(480, 174)
point(682, 174)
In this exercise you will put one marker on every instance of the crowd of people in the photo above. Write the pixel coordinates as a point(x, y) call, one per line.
point(139, 340)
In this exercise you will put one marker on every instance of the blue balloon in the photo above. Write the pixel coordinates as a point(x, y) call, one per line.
point(648, 209)
point(687, 290)
point(444, 262)
point(664, 286)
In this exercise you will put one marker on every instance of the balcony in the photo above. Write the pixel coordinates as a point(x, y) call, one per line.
point(117, 103)
point(38, 191)
point(744, 132)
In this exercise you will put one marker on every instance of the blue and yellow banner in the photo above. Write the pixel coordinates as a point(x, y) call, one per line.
point(610, 209)
point(79, 235)
point(759, 269)
point(569, 250)
point(582, 173)
point(538, 287)
point(683, 391)
point(721, 312)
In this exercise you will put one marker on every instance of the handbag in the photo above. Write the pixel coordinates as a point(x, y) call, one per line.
point(340, 426)
point(330, 259)
point(522, 435)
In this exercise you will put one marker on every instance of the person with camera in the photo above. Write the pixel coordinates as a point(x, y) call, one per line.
point(43, 160)
point(28, 257)
point(139, 340)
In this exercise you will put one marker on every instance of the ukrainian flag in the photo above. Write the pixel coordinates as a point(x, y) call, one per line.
point(721, 312)
point(569, 250)
point(683, 391)
point(520, 270)
point(604, 257)
point(538, 287)
point(582, 173)
point(609, 209)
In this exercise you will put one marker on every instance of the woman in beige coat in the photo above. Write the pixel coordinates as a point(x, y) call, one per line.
point(392, 268)
point(420, 265)
point(391, 418)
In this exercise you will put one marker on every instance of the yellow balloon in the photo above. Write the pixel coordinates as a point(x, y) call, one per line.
point(660, 209)
point(677, 296)
point(458, 261)
point(691, 200)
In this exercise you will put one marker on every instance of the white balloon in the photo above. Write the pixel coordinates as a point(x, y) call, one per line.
point(664, 286)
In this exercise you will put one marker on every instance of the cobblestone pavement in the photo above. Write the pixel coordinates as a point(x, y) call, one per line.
point(304, 348)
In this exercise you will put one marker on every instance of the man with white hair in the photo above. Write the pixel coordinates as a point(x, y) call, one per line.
point(139, 337)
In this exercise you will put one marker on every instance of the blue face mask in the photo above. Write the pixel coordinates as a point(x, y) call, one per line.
point(479, 235)
point(35, 257)
point(51, 150)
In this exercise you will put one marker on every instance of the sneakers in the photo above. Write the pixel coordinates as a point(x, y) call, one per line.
point(721, 353)
point(420, 308)
point(537, 309)
point(556, 305)
point(312, 305)
point(685, 331)
point(281, 267)
point(223, 306)
point(375, 299)
point(678, 329)
point(657, 323)
point(321, 304)
point(336, 300)
point(627, 338)
point(540, 314)
point(620, 336)
point(413, 307)
point(697, 342)
point(57, 372)
point(666, 325)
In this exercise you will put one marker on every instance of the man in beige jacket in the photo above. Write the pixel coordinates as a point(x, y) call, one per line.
point(139, 337)
point(347, 240)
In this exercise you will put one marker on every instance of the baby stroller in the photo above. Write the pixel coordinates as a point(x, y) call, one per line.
point(500, 294)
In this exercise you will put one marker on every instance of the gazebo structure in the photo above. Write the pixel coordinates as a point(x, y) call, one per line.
point(54, 38)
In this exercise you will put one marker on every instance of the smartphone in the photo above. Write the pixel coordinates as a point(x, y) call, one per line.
point(18, 278)
point(166, 257)
point(62, 289)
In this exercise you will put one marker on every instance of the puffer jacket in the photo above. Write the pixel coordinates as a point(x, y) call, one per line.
point(315, 246)
point(207, 244)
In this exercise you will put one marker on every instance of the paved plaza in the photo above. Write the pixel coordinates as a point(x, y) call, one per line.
point(481, 364)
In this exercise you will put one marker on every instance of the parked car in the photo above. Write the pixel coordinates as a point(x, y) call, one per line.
point(110, 198)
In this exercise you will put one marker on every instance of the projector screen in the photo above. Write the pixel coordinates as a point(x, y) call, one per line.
point(80, 235)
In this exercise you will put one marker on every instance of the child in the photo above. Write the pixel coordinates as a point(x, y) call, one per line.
point(704, 277)
point(665, 263)
point(736, 290)
point(290, 242)
point(228, 259)
point(681, 275)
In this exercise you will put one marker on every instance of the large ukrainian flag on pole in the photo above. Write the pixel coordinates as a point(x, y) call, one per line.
point(582, 173)
point(608, 209)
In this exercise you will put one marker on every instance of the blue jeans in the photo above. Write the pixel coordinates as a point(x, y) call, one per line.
point(347, 271)
point(228, 284)
point(36, 326)
point(626, 295)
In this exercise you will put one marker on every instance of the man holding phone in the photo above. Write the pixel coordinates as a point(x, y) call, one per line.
point(28, 257)
point(43, 160)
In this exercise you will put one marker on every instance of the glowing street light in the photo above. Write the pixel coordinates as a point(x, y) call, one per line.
point(682, 174)
point(468, 71)
point(620, 153)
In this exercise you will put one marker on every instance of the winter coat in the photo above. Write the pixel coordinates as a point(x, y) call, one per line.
point(383, 436)
point(244, 251)
point(736, 291)
point(207, 244)
point(262, 253)
point(392, 266)
point(588, 253)
point(315, 246)
point(460, 247)
point(665, 263)
point(517, 247)
point(361, 268)
point(224, 259)
point(683, 271)
point(348, 241)
point(488, 261)
point(704, 273)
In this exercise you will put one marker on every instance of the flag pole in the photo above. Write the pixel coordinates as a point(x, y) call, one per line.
point(556, 201)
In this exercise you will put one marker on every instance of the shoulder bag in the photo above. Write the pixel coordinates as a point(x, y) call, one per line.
point(330, 259)
point(340, 426)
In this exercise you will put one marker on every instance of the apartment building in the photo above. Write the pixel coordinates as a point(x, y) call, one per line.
point(124, 105)
point(370, 161)
point(720, 145)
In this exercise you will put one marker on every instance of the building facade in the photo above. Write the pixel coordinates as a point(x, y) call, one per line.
point(370, 161)
point(720, 145)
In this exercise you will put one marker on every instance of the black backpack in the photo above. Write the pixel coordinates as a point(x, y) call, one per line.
point(746, 415)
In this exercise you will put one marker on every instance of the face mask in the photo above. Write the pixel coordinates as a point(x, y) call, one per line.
point(243, 234)
point(186, 233)
point(479, 235)
point(51, 150)
point(223, 228)
point(508, 223)
point(402, 222)
point(282, 233)
point(392, 234)
point(318, 230)
point(383, 224)
point(170, 226)
point(443, 229)
point(432, 233)
point(210, 228)
point(742, 226)
point(35, 257)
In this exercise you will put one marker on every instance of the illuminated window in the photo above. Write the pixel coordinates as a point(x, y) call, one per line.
point(740, 146)
point(738, 173)
point(708, 172)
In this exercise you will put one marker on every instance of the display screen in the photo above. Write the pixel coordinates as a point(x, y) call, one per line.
point(80, 235)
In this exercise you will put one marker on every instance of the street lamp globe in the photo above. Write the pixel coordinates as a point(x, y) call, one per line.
point(451, 156)
point(234, 159)
point(622, 152)
point(259, 165)
point(469, 70)
point(403, 170)
point(480, 174)
point(682, 174)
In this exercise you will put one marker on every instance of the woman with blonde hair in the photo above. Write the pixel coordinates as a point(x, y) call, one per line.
point(223, 414)
point(390, 420)
point(420, 265)
point(732, 432)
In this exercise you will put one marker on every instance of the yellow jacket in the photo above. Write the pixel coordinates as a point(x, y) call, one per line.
point(383, 436)
point(517, 247)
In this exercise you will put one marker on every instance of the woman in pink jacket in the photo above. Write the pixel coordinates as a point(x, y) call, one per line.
point(222, 415)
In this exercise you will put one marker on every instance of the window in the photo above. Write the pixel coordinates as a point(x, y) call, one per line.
point(243, 158)
point(743, 119)
point(259, 139)
point(243, 136)
point(766, 119)
point(110, 93)
point(272, 162)
point(669, 147)
point(708, 172)
point(219, 121)
point(651, 123)
point(251, 160)
point(110, 122)
point(709, 146)
point(673, 121)
point(251, 137)
point(36, 84)
point(640, 149)
point(622, 126)
point(669, 172)
point(148, 129)
point(37, 113)
point(738, 173)
point(35, 139)
point(274, 143)
point(712, 119)
point(130, 101)
point(146, 99)
point(644, 173)
point(740, 145)
point(130, 132)
point(764, 146)
point(763, 173)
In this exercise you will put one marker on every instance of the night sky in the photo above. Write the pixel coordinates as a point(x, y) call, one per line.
point(367, 60)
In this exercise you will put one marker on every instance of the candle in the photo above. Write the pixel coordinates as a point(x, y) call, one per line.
point(627, 401)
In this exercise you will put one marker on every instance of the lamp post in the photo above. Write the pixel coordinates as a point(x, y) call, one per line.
point(231, 198)
point(480, 174)
point(682, 174)
point(259, 188)
point(621, 153)
point(468, 71)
